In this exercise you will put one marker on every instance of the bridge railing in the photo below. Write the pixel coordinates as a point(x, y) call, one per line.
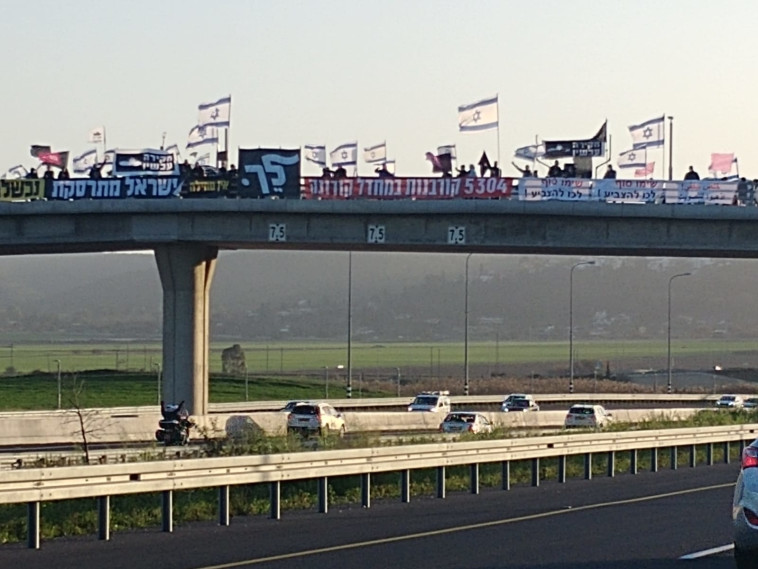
point(36, 486)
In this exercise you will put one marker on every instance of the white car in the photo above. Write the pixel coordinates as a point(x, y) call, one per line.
point(519, 402)
point(594, 416)
point(310, 418)
point(745, 510)
point(433, 401)
point(465, 422)
point(751, 403)
point(730, 402)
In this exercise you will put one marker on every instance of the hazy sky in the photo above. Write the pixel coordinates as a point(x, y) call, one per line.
point(332, 71)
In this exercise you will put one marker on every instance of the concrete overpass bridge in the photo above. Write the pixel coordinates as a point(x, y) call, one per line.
point(186, 236)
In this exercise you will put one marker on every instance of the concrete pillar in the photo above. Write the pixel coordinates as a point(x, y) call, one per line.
point(186, 272)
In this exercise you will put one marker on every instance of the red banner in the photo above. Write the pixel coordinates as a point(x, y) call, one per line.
point(407, 188)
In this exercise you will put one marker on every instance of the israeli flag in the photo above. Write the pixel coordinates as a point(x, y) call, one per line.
point(633, 159)
point(200, 134)
point(345, 155)
point(481, 115)
point(531, 152)
point(216, 113)
point(16, 172)
point(375, 154)
point(316, 154)
point(85, 161)
point(648, 134)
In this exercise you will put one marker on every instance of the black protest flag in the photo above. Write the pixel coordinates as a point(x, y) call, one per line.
point(484, 164)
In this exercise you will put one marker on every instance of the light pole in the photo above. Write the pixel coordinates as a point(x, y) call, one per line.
point(397, 375)
point(671, 279)
point(326, 382)
point(465, 332)
point(349, 386)
point(58, 362)
point(571, 321)
point(158, 379)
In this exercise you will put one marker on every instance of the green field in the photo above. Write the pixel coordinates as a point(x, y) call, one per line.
point(424, 358)
point(127, 374)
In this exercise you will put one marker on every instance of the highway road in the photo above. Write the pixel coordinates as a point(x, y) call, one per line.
point(628, 522)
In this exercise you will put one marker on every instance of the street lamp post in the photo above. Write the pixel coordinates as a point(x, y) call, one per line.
point(465, 332)
point(668, 336)
point(349, 386)
point(326, 382)
point(58, 362)
point(571, 321)
point(397, 376)
point(158, 380)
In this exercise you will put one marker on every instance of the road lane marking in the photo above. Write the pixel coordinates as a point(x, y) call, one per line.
point(481, 525)
point(707, 552)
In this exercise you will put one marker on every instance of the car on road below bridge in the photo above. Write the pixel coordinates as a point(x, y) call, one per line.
point(465, 422)
point(315, 418)
point(593, 416)
point(730, 402)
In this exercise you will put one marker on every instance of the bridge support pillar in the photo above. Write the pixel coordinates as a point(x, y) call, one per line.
point(186, 272)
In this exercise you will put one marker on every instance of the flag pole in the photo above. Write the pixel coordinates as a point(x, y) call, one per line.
point(671, 147)
point(497, 98)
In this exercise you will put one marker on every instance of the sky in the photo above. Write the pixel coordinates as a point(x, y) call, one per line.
point(336, 71)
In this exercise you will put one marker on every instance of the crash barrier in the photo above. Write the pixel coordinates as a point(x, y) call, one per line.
point(708, 192)
point(35, 486)
point(113, 426)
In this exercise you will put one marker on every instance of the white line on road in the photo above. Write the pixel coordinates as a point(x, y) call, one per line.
point(707, 552)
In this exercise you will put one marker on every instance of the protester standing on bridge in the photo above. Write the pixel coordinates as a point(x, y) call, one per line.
point(31, 174)
point(610, 173)
point(525, 171)
point(48, 175)
point(494, 170)
point(64, 175)
point(471, 171)
point(95, 172)
point(340, 173)
point(382, 172)
point(691, 174)
point(555, 171)
point(462, 173)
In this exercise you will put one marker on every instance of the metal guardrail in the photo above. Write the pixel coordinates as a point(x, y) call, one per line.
point(103, 481)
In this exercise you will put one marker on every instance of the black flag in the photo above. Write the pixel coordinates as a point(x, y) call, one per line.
point(484, 164)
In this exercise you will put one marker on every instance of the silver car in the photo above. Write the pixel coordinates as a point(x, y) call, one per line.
point(745, 510)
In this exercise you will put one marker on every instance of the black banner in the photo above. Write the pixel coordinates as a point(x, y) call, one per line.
point(145, 162)
point(571, 148)
point(265, 173)
point(587, 148)
point(151, 187)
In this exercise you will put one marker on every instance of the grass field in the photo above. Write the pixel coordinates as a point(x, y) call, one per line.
point(424, 358)
point(127, 374)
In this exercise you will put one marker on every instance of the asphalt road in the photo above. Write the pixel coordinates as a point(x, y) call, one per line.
point(628, 522)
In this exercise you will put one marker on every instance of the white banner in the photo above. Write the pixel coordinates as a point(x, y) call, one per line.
point(562, 189)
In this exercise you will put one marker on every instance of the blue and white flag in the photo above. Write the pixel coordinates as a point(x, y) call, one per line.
point(376, 153)
point(316, 153)
point(648, 134)
point(531, 152)
point(200, 135)
point(447, 149)
point(85, 161)
point(16, 172)
point(345, 155)
point(481, 115)
point(633, 159)
point(216, 113)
